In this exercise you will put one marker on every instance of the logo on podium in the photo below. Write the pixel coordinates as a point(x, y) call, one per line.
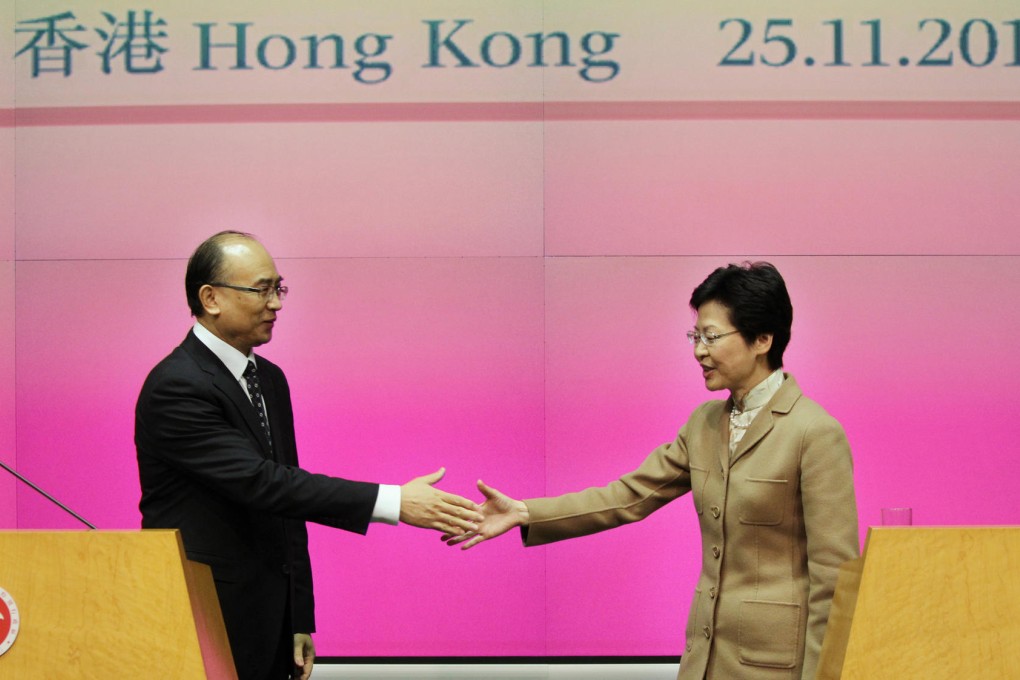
point(10, 622)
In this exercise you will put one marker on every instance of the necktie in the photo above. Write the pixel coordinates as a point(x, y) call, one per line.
point(251, 377)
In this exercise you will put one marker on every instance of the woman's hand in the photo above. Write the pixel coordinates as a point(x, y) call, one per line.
point(500, 514)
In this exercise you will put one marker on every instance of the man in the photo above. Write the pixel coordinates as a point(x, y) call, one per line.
point(217, 459)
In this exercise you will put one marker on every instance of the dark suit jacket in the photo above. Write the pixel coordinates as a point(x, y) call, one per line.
point(206, 469)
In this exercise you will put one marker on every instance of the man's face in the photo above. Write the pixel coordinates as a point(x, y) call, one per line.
point(244, 319)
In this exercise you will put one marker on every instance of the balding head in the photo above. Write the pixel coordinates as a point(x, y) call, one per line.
point(207, 265)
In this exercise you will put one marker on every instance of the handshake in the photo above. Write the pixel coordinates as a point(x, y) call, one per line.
point(462, 522)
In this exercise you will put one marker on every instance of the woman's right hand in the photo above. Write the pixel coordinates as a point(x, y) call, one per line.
point(500, 514)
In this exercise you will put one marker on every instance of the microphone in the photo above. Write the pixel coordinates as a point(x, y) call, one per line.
point(48, 497)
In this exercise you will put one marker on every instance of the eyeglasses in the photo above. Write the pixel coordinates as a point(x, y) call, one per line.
point(707, 339)
point(264, 292)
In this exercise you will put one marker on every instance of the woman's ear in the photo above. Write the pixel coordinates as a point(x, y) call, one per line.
point(762, 344)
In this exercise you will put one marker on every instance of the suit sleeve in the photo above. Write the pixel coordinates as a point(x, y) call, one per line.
point(302, 594)
point(662, 477)
point(830, 523)
point(190, 428)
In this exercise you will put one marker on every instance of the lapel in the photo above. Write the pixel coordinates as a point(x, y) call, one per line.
point(223, 381)
point(781, 402)
point(723, 451)
point(760, 427)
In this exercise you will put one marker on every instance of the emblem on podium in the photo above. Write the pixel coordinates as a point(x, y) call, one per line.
point(10, 621)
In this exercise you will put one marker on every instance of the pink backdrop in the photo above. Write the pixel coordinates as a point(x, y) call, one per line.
point(508, 299)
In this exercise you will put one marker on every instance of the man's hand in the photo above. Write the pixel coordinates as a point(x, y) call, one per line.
point(304, 656)
point(422, 505)
point(502, 514)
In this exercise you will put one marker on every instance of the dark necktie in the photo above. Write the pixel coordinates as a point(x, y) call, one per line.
point(251, 377)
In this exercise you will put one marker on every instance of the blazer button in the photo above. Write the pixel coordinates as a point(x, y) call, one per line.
point(716, 552)
point(716, 511)
point(711, 592)
point(707, 631)
point(286, 569)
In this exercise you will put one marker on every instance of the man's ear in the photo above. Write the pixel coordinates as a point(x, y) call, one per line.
point(207, 296)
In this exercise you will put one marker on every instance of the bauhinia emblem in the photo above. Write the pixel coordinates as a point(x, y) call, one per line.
point(10, 621)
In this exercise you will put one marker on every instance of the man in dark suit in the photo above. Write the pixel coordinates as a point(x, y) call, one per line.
point(217, 459)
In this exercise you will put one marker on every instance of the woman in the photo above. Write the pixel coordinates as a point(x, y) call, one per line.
point(772, 480)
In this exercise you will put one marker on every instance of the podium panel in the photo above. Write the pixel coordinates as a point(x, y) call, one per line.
point(111, 604)
point(927, 602)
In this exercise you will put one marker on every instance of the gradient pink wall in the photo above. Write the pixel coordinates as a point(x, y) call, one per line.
point(508, 299)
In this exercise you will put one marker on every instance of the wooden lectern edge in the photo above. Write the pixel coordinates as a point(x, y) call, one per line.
point(956, 631)
point(47, 576)
point(209, 625)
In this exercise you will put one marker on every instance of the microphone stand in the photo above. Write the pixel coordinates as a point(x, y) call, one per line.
point(48, 497)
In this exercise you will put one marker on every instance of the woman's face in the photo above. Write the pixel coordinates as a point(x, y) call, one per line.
point(730, 363)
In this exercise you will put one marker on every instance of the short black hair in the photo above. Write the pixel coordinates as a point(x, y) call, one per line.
point(756, 296)
point(206, 266)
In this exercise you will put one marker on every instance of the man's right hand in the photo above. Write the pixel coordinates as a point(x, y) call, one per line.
point(422, 505)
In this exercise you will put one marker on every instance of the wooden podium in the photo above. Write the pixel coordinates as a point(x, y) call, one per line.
point(107, 604)
point(927, 602)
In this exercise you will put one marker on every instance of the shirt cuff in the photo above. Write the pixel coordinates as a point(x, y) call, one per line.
point(387, 505)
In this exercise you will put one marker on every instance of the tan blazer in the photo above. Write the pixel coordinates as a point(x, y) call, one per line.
point(776, 523)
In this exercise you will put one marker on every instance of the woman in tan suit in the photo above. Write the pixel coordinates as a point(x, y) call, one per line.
point(772, 480)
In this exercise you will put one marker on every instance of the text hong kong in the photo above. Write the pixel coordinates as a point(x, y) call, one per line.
point(141, 43)
point(450, 44)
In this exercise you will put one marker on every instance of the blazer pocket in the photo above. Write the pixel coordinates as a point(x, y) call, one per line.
point(699, 477)
point(762, 501)
point(769, 634)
